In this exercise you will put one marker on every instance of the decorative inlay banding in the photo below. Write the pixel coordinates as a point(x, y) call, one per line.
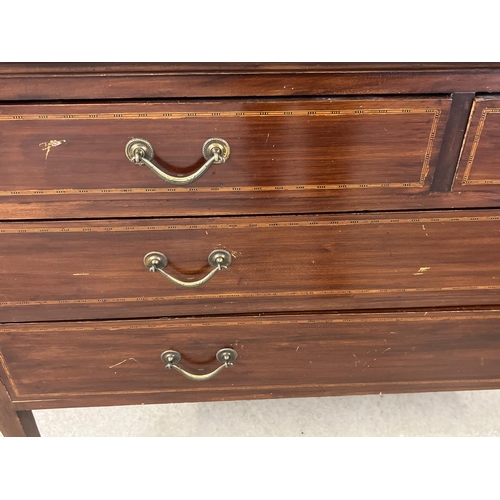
point(227, 114)
point(231, 323)
point(175, 115)
point(52, 228)
point(23, 229)
point(260, 295)
point(475, 144)
point(190, 323)
point(237, 189)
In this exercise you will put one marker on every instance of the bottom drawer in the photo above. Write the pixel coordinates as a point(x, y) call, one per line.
point(119, 362)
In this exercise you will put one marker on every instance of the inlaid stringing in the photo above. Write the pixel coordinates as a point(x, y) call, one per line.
point(227, 114)
point(475, 144)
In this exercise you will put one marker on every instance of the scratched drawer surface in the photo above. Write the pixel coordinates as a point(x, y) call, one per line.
point(100, 269)
point(282, 156)
point(296, 355)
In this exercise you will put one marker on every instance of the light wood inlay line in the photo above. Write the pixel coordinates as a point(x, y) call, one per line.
point(208, 297)
point(228, 114)
point(232, 323)
point(51, 228)
point(430, 383)
point(213, 114)
point(231, 189)
point(475, 144)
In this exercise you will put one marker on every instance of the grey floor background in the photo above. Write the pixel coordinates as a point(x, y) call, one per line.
point(471, 413)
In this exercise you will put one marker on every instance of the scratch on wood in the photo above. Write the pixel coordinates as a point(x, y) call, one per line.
point(47, 146)
point(80, 274)
point(385, 350)
point(421, 271)
point(124, 361)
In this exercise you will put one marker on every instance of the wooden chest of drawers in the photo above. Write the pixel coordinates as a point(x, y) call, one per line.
point(317, 229)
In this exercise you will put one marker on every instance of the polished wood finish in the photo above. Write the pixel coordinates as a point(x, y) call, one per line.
point(160, 81)
point(334, 152)
point(278, 356)
point(92, 270)
point(478, 169)
point(353, 271)
point(452, 142)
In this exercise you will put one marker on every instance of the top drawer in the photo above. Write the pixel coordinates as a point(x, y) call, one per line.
point(286, 156)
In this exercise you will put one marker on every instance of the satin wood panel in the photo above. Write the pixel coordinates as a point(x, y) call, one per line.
point(94, 269)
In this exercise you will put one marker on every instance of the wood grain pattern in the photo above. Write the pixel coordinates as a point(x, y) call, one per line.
point(452, 142)
point(122, 68)
point(92, 270)
point(478, 169)
point(313, 354)
point(98, 81)
point(402, 299)
point(327, 149)
point(15, 423)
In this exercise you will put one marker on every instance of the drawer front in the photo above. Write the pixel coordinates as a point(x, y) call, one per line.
point(277, 356)
point(68, 161)
point(95, 269)
point(479, 167)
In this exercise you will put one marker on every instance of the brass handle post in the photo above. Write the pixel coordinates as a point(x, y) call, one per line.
point(141, 152)
point(226, 356)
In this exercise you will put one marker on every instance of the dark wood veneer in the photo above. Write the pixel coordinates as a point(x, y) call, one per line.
point(478, 170)
point(451, 147)
point(336, 152)
point(94, 269)
point(39, 82)
point(15, 423)
point(399, 264)
point(278, 356)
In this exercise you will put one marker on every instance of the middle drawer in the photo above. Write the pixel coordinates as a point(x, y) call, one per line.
point(95, 269)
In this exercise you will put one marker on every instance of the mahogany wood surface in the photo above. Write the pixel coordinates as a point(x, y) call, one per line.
point(103, 68)
point(332, 152)
point(94, 269)
point(398, 295)
point(452, 144)
point(15, 423)
point(479, 168)
point(134, 81)
point(96, 362)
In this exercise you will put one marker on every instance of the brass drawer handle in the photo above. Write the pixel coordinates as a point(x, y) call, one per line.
point(218, 259)
point(140, 152)
point(225, 356)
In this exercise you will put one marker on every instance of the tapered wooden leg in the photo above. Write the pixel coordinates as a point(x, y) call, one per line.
point(15, 423)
